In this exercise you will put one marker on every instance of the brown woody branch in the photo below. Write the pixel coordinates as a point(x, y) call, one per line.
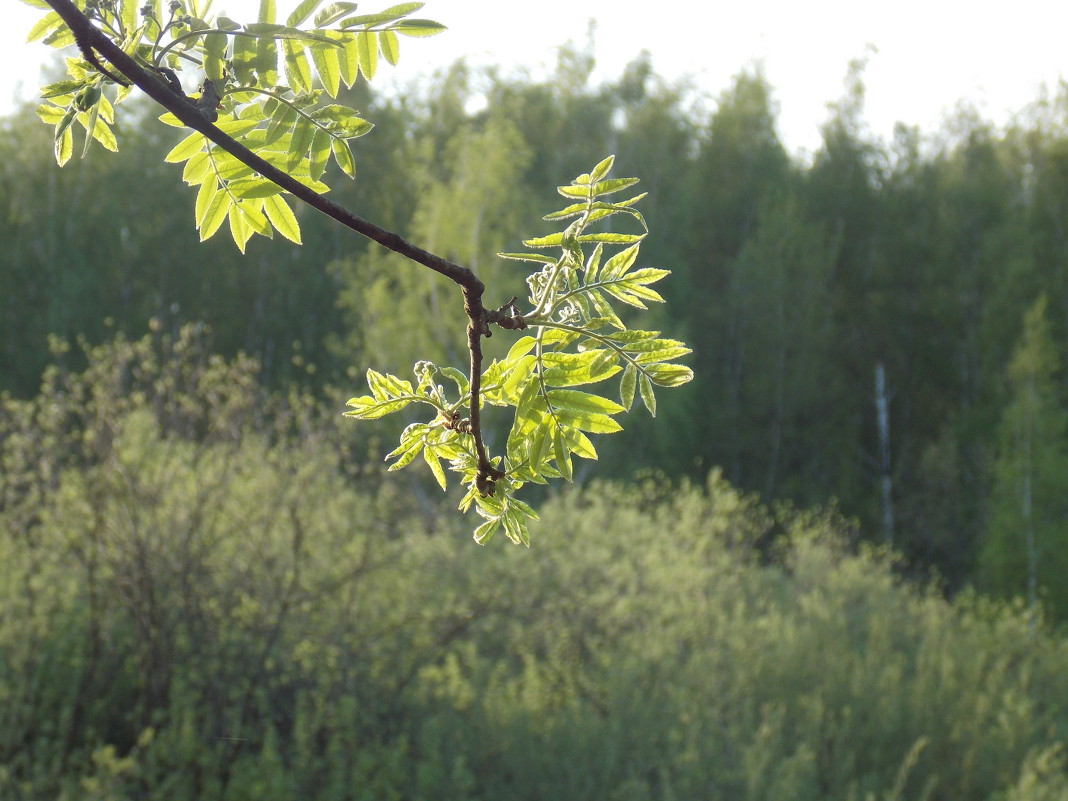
point(93, 43)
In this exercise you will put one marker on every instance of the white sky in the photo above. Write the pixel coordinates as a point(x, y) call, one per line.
point(931, 54)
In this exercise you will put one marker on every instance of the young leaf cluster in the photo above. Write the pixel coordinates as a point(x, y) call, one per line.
point(268, 83)
point(576, 340)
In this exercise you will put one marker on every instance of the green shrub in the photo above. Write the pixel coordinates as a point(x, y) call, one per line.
point(200, 600)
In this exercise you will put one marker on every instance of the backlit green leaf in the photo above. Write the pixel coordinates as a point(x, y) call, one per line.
point(435, 467)
point(648, 398)
point(561, 454)
point(301, 141)
point(319, 153)
point(669, 375)
point(214, 55)
point(64, 147)
point(197, 168)
point(367, 51)
point(329, 68)
point(343, 157)
point(418, 27)
point(619, 263)
point(214, 215)
point(611, 238)
point(302, 12)
point(389, 46)
point(266, 64)
point(187, 148)
point(205, 197)
point(349, 58)
point(282, 217)
point(298, 73)
point(534, 257)
point(627, 386)
point(612, 185)
point(240, 230)
point(484, 533)
point(332, 13)
point(579, 444)
point(245, 51)
point(602, 169)
point(552, 240)
point(44, 26)
point(577, 401)
point(253, 187)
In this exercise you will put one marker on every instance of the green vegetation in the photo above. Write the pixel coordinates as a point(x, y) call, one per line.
point(204, 599)
point(211, 587)
point(792, 280)
point(255, 139)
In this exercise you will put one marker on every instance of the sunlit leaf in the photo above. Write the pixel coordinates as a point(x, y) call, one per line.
point(214, 215)
point(302, 12)
point(648, 398)
point(561, 454)
point(627, 386)
point(669, 375)
point(367, 52)
point(187, 148)
point(329, 68)
point(332, 13)
point(602, 169)
point(319, 153)
point(303, 132)
point(44, 26)
point(282, 217)
point(389, 46)
point(435, 467)
point(244, 60)
point(215, 55)
point(343, 157)
point(64, 146)
point(582, 402)
point(612, 238)
point(619, 263)
point(613, 185)
point(253, 187)
point(298, 73)
point(205, 197)
point(418, 27)
point(266, 64)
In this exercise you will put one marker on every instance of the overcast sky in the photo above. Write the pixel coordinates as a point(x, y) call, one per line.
point(929, 54)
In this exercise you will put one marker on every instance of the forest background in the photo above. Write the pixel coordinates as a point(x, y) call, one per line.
point(167, 632)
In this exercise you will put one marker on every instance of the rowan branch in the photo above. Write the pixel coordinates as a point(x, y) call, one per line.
point(93, 42)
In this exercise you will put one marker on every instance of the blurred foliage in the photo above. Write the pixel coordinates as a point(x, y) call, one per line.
point(793, 277)
point(202, 598)
point(205, 593)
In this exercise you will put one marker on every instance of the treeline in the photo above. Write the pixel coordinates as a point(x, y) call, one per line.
point(205, 596)
point(797, 283)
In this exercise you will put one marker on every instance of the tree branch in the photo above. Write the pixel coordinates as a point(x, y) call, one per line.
point(92, 41)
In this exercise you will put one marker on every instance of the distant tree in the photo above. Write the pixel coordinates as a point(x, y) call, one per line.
point(1026, 548)
point(260, 133)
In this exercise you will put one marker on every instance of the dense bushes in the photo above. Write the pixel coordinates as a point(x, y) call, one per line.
point(202, 598)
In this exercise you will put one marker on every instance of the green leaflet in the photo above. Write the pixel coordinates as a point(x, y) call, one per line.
point(192, 144)
point(302, 12)
point(367, 53)
point(282, 217)
point(328, 65)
